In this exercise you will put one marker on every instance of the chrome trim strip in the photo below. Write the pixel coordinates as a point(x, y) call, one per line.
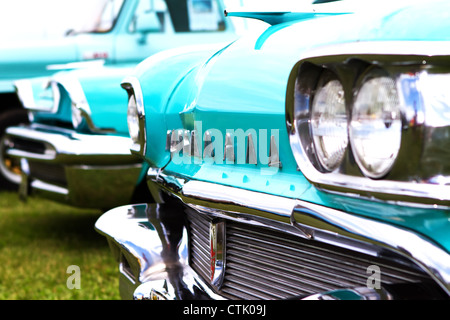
point(217, 235)
point(384, 50)
point(250, 156)
point(228, 152)
point(49, 188)
point(76, 65)
point(64, 146)
point(274, 158)
point(312, 222)
point(132, 86)
point(219, 196)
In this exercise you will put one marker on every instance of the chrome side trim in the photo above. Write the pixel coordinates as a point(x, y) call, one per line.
point(217, 236)
point(384, 50)
point(76, 65)
point(310, 221)
point(43, 189)
point(132, 86)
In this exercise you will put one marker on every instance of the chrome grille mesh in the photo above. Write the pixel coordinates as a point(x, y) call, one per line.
point(199, 255)
point(267, 264)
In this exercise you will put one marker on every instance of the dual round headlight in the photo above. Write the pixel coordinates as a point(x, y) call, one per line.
point(329, 123)
point(373, 127)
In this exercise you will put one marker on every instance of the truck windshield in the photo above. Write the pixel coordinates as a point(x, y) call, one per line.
point(102, 18)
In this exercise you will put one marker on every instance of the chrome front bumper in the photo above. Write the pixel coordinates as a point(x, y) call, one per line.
point(96, 171)
point(150, 241)
point(152, 260)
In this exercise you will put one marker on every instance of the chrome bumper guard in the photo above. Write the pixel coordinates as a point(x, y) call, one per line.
point(79, 169)
point(154, 263)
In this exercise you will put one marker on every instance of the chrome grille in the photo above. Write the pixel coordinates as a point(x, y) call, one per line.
point(267, 264)
point(199, 255)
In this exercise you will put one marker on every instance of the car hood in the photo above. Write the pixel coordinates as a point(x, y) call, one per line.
point(415, 21)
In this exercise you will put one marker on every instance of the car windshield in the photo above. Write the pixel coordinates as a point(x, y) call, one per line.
point(102, 17)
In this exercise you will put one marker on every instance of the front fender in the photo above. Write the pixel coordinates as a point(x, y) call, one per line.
point(159, 77)
point(95, 89)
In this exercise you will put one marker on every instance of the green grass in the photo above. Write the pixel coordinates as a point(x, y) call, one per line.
point(40, 239)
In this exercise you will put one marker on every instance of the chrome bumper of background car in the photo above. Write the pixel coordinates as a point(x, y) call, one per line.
point(83, 170)
point(139, 238)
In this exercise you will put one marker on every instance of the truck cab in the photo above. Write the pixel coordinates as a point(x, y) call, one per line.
point(120, 32)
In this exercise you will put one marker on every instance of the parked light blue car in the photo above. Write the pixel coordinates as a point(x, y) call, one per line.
point(125, 33)
point(309, 161)
point(76, 147)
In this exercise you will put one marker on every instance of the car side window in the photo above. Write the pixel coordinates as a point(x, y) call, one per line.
point(150, 16)
point(109, 15)
point(184, 16)
point(195, 15)
point(205, 15)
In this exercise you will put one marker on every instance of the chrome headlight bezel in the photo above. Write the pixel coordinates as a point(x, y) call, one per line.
point(138, 124)
point(410, 180)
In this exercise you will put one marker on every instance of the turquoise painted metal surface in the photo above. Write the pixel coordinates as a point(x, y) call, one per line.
point(120, 49)
point(87, 88)
point(123, 43)
point(101, 88)
point(243, 86)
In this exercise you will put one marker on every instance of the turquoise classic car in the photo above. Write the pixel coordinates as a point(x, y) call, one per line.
point(76, 147)
point(309, 161)
point(123, 34)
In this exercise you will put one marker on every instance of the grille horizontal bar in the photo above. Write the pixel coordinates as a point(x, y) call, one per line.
point(268, 264)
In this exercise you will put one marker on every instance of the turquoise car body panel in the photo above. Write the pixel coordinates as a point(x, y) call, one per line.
point(243, 86)
point(97, 83)
point(116, 46)
point(107, 102)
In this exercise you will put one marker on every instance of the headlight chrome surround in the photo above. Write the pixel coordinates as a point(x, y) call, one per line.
point(135, 115)
point(413, 178)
